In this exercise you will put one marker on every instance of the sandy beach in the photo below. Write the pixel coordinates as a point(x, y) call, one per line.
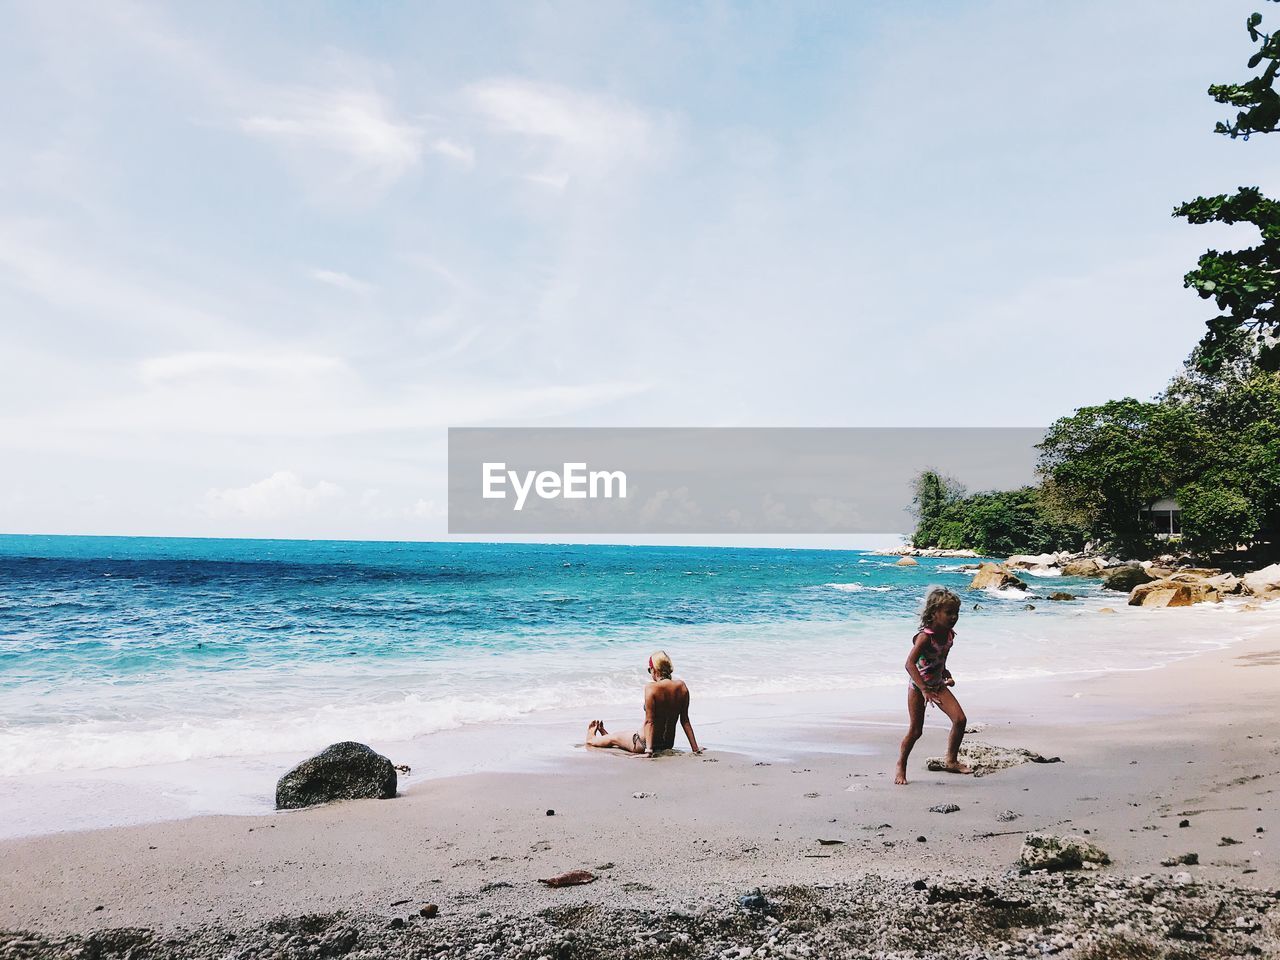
point(1154, 765)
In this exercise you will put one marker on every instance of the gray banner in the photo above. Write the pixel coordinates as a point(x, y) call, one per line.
point(716, 480)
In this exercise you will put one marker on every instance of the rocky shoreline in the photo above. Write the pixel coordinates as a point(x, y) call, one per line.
point(1092, 917)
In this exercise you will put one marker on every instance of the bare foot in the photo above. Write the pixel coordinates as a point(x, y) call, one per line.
point(900, 777)
point(592, 729)
point(955, 766)
point(600, 727)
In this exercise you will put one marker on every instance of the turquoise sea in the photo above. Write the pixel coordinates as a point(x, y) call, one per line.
point(125, 654)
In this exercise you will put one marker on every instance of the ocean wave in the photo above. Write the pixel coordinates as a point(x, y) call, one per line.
point(856, 587)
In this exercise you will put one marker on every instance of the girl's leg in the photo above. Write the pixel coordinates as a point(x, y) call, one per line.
point(955, 713)
point(915, 717)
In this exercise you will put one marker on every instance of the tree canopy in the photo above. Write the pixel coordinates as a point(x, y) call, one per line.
point(1242, 283)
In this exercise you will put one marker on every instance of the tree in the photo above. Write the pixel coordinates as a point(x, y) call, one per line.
point(1243, 283)
point(1102, 466)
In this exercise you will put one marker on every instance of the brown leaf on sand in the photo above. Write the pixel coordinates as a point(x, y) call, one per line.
point(573, 878)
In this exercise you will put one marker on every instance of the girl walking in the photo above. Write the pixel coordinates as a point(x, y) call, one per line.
point(931, 680)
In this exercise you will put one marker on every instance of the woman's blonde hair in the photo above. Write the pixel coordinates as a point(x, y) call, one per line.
point(937, 598)
point(660, 663)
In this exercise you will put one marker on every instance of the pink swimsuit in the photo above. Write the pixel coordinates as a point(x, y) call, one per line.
point(932, 662)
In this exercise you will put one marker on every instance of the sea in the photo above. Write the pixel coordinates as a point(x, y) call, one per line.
point(153, 678)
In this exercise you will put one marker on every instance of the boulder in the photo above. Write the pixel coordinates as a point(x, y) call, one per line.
point(907, 562)
point(1082, 568)
point(343, 771)
point(1044, 851)
point(1028, 561)
point(1173, 593)
point(1060, 595)
point(1125, 578)
point(1264, 583)
point(995, 576)
point(1225, 583)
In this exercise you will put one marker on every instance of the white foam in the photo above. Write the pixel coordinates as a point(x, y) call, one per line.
point(856, 587)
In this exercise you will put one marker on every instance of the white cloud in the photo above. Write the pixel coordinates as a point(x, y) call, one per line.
point(343, 281)
point(357, 126)
point(281, 494)
point(580, 133)
point(463, 154)
point(182, 366)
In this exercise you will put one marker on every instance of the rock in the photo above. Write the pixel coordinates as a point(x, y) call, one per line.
point(343, 771)
point(944, 808)
point(1186, 859)
point(984, 758)
point(1082, 568)
point(1184, 823)
point(1226, 583)
point(1229, 842)
point(551, 813)
point(574, 878)
point(1059, 595)
point(396, 923)
point(1039, 562)
point(1044, 851)
point(339, 942)
point(429, 911)
point(1007, 816)
point(754, 900)
point(907, 562)
point(1173, 593)
point(1125, 578)
point(1106, 610)
point(993, 576)
point(922, 839)
point(1264, 583)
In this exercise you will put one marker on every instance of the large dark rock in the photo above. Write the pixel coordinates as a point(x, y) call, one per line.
point(1125, 578)
point(344, 771)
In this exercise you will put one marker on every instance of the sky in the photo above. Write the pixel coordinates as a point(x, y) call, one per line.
point(255, 259)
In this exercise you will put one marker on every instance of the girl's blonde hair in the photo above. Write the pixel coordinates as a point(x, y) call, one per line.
point(935, 600)
point(661, 664)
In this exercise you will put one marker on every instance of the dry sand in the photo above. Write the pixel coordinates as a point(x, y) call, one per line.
point(1197, 741)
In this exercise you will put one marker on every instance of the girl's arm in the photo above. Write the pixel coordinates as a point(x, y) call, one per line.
point(917, 650)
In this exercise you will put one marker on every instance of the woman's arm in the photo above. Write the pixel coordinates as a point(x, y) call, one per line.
point(647, 731)
point(688, 729)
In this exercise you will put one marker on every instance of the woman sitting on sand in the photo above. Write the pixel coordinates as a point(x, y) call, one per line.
point(931, 680)
point(665, 701)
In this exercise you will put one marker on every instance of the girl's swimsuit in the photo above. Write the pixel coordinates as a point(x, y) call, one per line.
point(932, 662)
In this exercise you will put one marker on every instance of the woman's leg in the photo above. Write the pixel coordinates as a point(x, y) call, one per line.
point(620, 741)
point(955, 713)
point(915, 717)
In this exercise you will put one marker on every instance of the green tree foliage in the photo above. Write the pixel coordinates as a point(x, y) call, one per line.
point(1236, 497)
point(1215, 517)
point(995, 523)
point(1103, 465)
point(1242, 282)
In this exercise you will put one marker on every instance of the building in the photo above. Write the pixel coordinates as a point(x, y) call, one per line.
point(1166, 516)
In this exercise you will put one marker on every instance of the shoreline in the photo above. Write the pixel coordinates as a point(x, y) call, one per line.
point(776, 726)
point(717, 825)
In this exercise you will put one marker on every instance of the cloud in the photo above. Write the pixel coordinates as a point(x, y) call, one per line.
point(463, 154)
point(183, 366)
point(281, 494)
point(343, 281)
point(357, 127)
point(579, 133)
